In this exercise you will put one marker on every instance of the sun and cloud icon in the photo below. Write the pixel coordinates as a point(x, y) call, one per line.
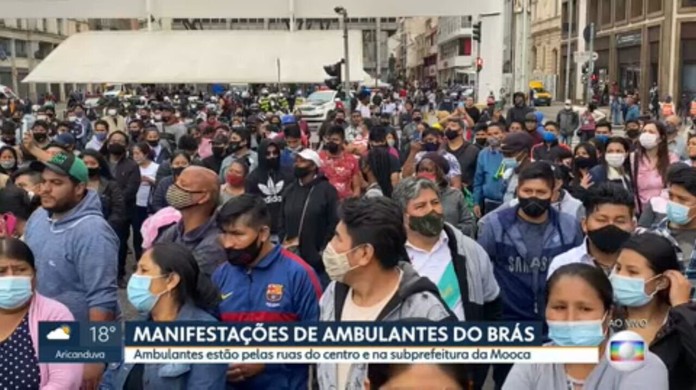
point(60, 333)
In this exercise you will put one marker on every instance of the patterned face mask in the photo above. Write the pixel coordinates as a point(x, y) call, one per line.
point(429, 225)
point(179, 198)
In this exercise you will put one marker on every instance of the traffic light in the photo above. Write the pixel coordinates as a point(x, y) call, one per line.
point(477, 32)
point(479, 64)
point(335, 79)
point(585, 72)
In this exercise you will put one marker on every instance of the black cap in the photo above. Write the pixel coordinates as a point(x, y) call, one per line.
point(517, 142)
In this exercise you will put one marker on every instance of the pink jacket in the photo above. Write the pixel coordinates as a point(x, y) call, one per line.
point(53, 376)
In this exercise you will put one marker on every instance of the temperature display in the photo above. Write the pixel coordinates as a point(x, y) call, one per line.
point(74, 342)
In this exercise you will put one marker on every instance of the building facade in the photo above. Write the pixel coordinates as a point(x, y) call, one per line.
point(546, 42)
point(640, 43)
point(24, 43)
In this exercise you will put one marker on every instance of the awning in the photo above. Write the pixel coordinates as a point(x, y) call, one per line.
point(199, 57)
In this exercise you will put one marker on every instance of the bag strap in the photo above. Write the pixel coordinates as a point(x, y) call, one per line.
point(304, 212)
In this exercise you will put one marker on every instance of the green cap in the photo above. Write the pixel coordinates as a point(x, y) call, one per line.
point(64, 164)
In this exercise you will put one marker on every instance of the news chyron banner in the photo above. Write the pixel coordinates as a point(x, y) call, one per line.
point(349, 342)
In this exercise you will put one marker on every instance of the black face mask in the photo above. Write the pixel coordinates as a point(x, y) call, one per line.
point(40, 137)
point(92, 172)
point(417, 119)
point(608, 239)
point(451, 134)
point(301, 172)
point(340, 121)
point(245, 256)
point(534, 207)
point(632, 133)
point(234, 146)
point(177, 171)
point(273, 162)
point(584, 162)
point(9, 141)
point(481, 141)
point(431, 146)
point(153, 143)
point(116, 149)
point(218, 151)
point(332, 148)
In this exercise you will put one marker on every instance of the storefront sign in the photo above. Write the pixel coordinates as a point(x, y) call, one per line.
point(632, 39)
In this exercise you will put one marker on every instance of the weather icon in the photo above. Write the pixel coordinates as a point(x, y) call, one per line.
point(59, 333)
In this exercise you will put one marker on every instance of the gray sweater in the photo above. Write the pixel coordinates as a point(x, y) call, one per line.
point(456, 212)
point(652, 376)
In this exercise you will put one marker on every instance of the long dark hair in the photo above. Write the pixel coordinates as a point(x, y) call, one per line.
point(660, 253)
point(194, 287)
point(15, 156)
point(104, 170)
point(591, 150)
point(378, 159)
point(627, 147)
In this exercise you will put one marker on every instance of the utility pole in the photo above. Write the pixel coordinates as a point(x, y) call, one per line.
point(342, 11)
point(588, 91)
point(571, 7)
point(378, 33)
point(525, 40)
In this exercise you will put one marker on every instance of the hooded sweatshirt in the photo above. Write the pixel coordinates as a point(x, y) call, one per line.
point(76, 257)
point(518, 112)
point(320, 217)
point(269, 183)
point(416, 298)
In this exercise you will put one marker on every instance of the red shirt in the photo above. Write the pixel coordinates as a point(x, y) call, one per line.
point(340, 172)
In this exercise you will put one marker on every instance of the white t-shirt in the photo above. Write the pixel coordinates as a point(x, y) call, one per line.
point(143, 194)
point(353, 312)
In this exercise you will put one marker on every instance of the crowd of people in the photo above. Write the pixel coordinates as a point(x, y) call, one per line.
point(401, 211)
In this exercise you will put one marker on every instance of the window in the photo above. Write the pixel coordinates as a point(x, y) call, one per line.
point(464, 46)
point(654, 6)
point(606, 12)
point(20, 24)
point(636, 8)
point(20, 48)
point(619, 10)
point(59, 27)
point(689, 3)
point(44, 25)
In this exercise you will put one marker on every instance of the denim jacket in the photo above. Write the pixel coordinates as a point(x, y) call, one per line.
point(171, 376)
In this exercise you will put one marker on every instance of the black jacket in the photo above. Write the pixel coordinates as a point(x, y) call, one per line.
point(213, 163)
point(113, 204)
point(319, 222)
point(269, 184)
point(517, 114)
point(127, 175)
point(675, 344)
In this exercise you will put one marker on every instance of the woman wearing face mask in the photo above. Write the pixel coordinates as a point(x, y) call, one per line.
point(179, 162)
point(615, 167)
point(649, 163)
point(585, 158)
point(235, 179)
point(434, 168)
point(142, 155)
point(650, 290)
point(691, 149)
point(101, 181)
point(15, 209)
point(169, 287)
point(9, 160)
point(578, 312)
point(376, 171)
point(21, 310)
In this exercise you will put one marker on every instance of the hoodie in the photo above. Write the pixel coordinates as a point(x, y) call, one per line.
point(269, 183)
point(518, 112)
point(488, 183)
point(416, 298)
point(76, 257)
point(320, 217)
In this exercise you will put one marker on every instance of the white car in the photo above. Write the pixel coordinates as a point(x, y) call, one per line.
point(316, 107)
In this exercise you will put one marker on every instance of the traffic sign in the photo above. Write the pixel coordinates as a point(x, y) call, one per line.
point(582, 56)
point(595, 56)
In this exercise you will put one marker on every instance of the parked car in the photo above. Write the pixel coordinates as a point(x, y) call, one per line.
point(541, 96)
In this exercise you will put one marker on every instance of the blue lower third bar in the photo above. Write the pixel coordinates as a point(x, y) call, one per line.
point(80, 355)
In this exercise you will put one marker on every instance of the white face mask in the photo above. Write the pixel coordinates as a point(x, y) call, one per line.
point(41, 117)
point(112, 112)
point(72, 118)
point(615, 160)
point(336, 264)
point(648, 140)
point(158, 117)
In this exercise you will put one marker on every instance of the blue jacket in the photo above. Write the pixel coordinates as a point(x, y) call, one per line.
point(522, 275)
point(171, 376)
point(486, 184)
point(280, 288)
point(76, 257)
point(632, 113)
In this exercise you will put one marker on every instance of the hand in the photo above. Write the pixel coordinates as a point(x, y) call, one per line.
point(477, 211)
point(147, 180)
point(416, 146)
point(242, 372)
point(91, 376)
point(28, 140)
point(679, 287)
point(586, 182)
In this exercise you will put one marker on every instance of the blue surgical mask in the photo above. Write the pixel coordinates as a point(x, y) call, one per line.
point(550, 137)
point(677, 213)
point(603, 138)
point(15, 291)
point(576, 333)
point(139, 293)
point(100, 136)
point(630, 291)
point(510, 162)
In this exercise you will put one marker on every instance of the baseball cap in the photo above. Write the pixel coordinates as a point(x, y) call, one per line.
point(64, 164)
point(288, 120)
point(310, 155)
point(517, 142)
point(64, 139)
point(530, 117)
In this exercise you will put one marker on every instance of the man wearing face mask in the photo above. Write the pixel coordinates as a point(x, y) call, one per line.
point(520, 109)
point(115, 120)
point(172, 127)
point(340, 167)
point(262, 283)
point(195, 194)
point(268, 181)
point(135, 129)
point(101, 131)
point(8, 132)
point(549, 149)
point(372, 280)
point(569, 122)
point(608, 224)
point(463, 150)
point(239, 148)
point(521, 242)
point(82, 128)
point(488, 187)
point(35, 142)
point(516, 148)
point(432, 142)
point(632, 129)
point(219, 152)
point(309, 212)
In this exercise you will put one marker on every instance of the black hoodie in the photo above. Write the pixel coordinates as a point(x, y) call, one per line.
point(269, 183)
point(518, 112)
point(320, 218)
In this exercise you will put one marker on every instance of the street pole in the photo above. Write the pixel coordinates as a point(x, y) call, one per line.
point(525, 40)
point(568, 52)
point(378, 33)
point(588, 90)
point(346, 82)
point(478, 72)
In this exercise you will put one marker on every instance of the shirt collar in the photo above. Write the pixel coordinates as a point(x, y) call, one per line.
point(442, 241)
